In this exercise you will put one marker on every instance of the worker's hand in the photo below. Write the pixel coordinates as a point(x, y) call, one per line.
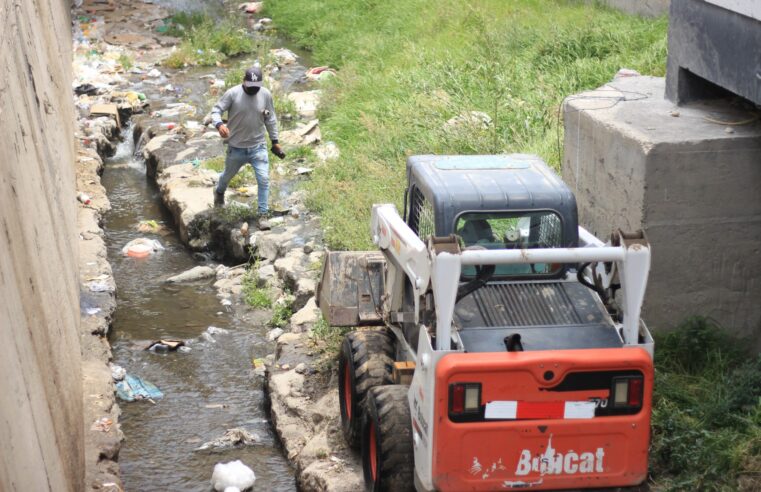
point(278, 151)
point(224, 132)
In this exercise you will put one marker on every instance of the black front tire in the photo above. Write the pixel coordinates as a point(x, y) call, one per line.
point(388, 459)
point(366, 361)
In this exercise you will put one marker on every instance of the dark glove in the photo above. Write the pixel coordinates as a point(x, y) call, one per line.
point(278, 151)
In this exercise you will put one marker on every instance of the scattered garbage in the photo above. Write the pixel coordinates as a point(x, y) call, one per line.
point(133, 388)
point(216, 86)
point(117, 372)
point(141, 247)
point(92, 311)
point(154, 73)
point(84, 198)
point(103, 424)
point(626, 72)
point(232, 438)
point(109, 110)
point(163, 346)
point(192, 125)
point(213, 330)
point(284, 56)
point(146, 226)
point(196, 273)
point(208, 335)
point(251, 7)
point(327, 151)
point(320, 73)
point(303, 170)
point(232, 477)
point(87, 89)
point(469, 119)
point(303, 134)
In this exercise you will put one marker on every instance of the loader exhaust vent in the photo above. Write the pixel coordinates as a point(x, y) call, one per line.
point(535, 304)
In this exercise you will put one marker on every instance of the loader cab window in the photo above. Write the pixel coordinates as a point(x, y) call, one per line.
point(421, 215)
point(503, 230)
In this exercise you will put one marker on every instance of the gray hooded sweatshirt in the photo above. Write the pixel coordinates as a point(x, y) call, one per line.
point(247, 116)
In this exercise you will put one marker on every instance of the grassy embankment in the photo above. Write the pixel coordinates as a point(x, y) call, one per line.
point(408, 67)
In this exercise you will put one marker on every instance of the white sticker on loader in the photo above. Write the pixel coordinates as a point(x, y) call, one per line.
point(553, 463)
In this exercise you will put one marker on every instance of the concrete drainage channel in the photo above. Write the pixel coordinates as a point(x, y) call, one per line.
point(223, 388)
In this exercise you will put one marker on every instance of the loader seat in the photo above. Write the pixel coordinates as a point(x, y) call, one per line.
point(476, 230)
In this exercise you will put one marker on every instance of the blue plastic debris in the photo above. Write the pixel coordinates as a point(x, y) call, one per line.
point(133, 388)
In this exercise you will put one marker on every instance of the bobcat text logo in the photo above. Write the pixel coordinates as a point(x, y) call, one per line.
point(553, 463)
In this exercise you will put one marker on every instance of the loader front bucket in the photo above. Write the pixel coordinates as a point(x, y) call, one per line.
point(350, 289)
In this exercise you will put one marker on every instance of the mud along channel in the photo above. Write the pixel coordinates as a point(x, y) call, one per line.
point(208, 389)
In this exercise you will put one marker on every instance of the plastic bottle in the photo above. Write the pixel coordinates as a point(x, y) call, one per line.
point(84, 198)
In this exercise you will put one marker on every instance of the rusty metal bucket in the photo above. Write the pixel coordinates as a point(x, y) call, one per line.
point(350, 289)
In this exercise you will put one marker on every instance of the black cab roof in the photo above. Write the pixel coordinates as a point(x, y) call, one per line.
point(454, 184)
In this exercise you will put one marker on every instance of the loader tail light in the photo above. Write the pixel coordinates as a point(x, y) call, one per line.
point(627, 392)
point(464, 398)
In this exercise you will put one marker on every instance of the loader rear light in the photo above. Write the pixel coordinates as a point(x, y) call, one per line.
point(464, 399)
point(627, 392)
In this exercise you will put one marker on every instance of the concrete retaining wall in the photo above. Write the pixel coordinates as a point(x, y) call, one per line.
point(635, 160)
point(40, 374)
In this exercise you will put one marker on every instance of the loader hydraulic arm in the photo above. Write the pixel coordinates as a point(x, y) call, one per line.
point(407, 255)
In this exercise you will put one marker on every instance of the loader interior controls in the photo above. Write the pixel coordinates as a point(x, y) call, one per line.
point(512, 230)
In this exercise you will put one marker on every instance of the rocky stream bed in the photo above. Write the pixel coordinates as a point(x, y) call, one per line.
point(143, 130)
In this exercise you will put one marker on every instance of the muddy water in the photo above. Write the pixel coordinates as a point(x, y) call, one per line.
point(207, 390)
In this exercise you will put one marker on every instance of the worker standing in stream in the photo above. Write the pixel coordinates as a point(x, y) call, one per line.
point(250, 109)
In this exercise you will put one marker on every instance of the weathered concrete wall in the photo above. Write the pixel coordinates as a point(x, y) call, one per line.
point(648, 8)
point(688, 181)
point(40, 375)
point(709, 42)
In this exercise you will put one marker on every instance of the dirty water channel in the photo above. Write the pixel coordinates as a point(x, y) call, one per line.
point(210, 388)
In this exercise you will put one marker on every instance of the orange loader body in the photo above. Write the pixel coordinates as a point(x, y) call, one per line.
point(539, 448)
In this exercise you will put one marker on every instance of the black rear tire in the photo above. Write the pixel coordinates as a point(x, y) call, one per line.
point(388, 459)
point(366, 360)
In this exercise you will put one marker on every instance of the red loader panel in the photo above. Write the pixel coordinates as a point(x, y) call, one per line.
point(546, 421)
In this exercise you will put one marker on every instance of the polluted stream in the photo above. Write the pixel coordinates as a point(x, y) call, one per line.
point(208, 389)
point(210, 386)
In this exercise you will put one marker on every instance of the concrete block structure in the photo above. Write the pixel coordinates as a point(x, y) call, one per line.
point(686, 175)
point(41, 424)
point(714, 49)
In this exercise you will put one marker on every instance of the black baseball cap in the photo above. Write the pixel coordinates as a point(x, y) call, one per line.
point(253, 77)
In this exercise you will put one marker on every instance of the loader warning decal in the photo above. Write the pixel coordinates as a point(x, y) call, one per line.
point(551, 462)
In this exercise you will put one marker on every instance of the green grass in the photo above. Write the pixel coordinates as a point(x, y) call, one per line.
point(327, 341)
point(281, 314)
point(255, 296)
point(235, 213)
point(126, 62)
point(707, 411)
point(405, 68)
point(206, 41)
